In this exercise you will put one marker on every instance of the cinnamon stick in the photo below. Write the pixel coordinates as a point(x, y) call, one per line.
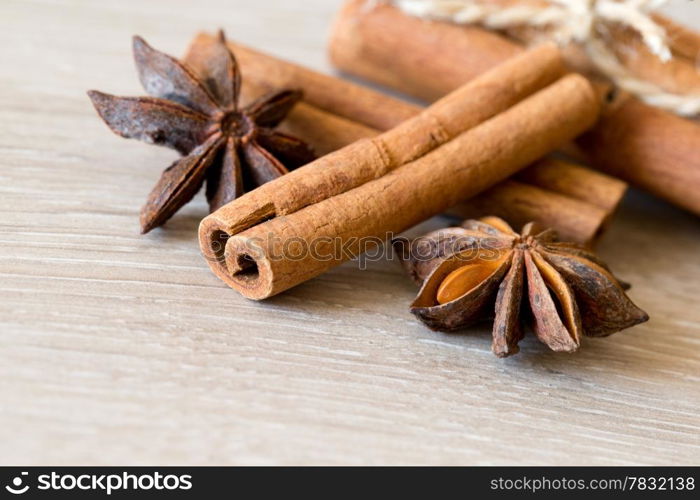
point(555, 193)
point(652, 149)
point(575, 181)
point(417, 57)
point(520, 203)
point(460, 146)
point(630, 134)
point(342, 101)
point(324, 131)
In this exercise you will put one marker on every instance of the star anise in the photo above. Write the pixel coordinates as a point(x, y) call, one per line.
point(562, 289)
point(194, 109)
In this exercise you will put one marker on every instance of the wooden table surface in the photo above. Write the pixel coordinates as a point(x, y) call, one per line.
point(117, 348)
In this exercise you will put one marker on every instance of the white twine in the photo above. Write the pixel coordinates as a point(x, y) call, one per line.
point(574, 21)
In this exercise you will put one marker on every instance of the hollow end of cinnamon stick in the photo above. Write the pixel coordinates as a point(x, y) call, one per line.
point(248, 269)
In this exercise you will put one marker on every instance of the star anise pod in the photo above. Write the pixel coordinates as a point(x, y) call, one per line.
point(469, 272)
point(195, 110)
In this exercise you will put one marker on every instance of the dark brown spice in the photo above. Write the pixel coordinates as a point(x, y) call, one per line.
point(468, 271)
point(194, 109)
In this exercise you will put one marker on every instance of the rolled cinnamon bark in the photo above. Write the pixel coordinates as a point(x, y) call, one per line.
point(424, 59)
point(288, 231)
point(659, 151)
point(561, 188)
point(325, 132)
point(650, 148)
point(520, 203)
point(555, 193)
point(575, 181)
point(342, 101)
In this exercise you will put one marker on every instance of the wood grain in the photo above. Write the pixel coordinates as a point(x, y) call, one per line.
point(117, 348)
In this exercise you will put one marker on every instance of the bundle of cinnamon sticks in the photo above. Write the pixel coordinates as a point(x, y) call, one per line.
point(289, 230)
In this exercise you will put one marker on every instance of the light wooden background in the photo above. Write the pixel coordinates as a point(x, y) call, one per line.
point(117, 348)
